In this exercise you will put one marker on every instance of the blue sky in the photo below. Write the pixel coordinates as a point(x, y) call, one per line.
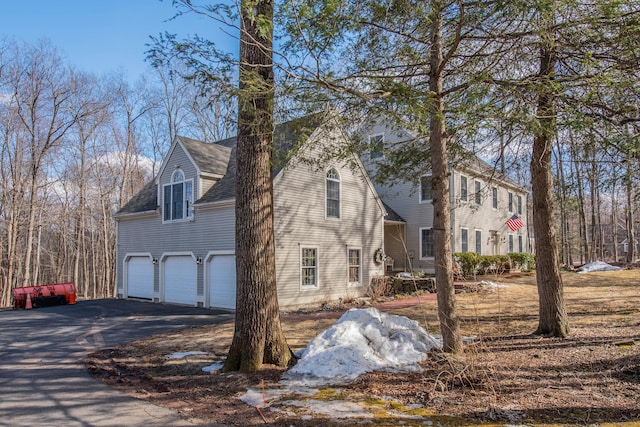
point(101, 36)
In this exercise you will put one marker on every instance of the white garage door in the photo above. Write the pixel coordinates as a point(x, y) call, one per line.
point(222, 281)
point(140, 277)
point(180, 279)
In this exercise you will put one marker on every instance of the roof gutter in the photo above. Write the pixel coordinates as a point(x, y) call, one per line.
point(119, 216)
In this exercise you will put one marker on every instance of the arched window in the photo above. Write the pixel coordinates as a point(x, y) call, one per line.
point(333, 194)
point(178, 198)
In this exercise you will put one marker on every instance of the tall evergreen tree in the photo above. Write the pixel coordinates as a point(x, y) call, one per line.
point(258, 337)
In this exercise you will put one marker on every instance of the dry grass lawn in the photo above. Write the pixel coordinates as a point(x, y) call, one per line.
point(506, 377)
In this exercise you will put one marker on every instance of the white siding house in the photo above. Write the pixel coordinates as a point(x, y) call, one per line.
point(176, 238)
point(482, 201)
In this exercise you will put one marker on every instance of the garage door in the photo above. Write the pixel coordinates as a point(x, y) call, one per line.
point(140, 277)
point(180, 279)
point(222, 281)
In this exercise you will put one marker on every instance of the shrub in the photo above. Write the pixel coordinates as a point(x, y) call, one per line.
point(522, 260)
point(471, 263)
point(468, 261)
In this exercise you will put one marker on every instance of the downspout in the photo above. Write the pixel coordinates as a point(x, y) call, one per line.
point(452, 192)
point(117, 264)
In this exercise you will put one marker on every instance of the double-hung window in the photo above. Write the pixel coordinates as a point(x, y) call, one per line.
point(494, 197)
point(519, 205)
point(478, 192)
point(308, 267)
point(510, 202)
point(510, 242)
point(426, 243)
point(355, 270)
point(425, 188)
point(464, 240)
point(177, 198)
point(463, 188)
point(333, 194)
point(479, 242)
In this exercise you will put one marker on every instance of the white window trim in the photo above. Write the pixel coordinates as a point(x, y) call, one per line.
point(420, 242)
point(495, 208)
point(475, 237)
point(186, 212)
point(359, 282)
point(381, 156)
point(467, 230)
point(466, 197)
point(420, 199)
point(477, 191)
point(317, 285)
point(339, 217)
point(519, 204)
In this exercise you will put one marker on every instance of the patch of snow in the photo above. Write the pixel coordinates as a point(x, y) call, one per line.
point(333, 408)
point(256, 397)
point(490, 284)
point(181, 354)
point(213, 367)
point(361, 341)
point(467, 340)
point(597, 266)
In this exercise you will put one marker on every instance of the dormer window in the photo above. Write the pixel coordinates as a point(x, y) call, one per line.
point(178, 198)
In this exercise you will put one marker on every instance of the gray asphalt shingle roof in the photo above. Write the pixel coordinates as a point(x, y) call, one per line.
point(220, 159)
point(391, 214)
point(146, 200)
point(210, 158)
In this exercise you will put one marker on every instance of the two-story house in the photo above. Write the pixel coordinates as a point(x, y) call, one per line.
point(488, 209)
point(176, 238)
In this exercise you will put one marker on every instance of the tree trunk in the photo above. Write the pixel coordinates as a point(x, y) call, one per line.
point(553, 319)
point(584, 241)
point(562, 191)
point(258, 337)
point(614, 219)
point(31, 224)
point(631, 244)
point(447, 313)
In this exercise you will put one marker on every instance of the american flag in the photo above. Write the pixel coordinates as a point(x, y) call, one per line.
point(514, 223)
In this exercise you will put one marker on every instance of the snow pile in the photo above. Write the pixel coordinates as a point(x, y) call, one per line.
point(489, 284)
point(182, 354)
point(597, 266)
point(361, 341)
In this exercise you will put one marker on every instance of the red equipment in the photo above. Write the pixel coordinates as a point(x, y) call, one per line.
point(45, 295)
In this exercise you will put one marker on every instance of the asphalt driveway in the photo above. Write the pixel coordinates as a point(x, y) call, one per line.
point(43, 381)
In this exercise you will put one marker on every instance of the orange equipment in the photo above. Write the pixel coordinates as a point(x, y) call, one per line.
point(44, 295)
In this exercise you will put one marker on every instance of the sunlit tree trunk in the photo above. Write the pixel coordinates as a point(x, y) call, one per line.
point(258, 337)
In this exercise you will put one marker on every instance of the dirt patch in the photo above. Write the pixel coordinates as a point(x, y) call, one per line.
point(505, 375)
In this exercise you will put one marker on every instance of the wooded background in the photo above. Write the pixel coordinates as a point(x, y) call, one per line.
point(77, 146)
